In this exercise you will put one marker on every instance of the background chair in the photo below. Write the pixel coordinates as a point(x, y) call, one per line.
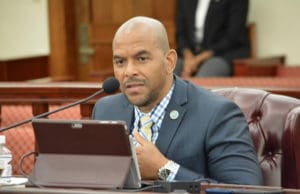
point(255, 66)
point(274, 124)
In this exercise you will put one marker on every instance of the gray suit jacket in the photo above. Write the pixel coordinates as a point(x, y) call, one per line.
point(209, 139)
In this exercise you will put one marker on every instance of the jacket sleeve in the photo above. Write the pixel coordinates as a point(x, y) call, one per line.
point(181, 30)
point(235, 25)
point(231, 157)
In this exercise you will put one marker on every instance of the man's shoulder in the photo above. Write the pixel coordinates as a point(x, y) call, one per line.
point(196, 91)
point(112, 99)
point(197, 94)
point(110, 107)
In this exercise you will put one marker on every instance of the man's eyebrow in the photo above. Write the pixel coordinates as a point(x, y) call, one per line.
point(142, 52)
point(117, 57)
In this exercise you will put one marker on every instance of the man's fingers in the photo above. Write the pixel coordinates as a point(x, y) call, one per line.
point(139, 138)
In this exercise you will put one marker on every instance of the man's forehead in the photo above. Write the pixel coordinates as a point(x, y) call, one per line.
point(133, 44)
point(130, 53)
point(134, 38)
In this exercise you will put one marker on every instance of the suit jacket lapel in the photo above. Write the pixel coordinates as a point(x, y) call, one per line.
point(171, 122)
point(128, 116)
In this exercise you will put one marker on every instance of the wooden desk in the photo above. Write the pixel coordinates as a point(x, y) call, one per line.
point(289, 86)
point(204, 186)
point(40, 95)
point(64, 191)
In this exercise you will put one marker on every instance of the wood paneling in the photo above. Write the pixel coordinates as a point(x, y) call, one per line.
point(102, 19)
point(107, 16)
point(66, 92)
point(258, 67)
point(102, 16)
point(24, 69)
point(63, 41)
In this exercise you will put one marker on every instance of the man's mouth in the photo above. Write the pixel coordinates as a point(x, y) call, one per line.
point(134, 87)
point(133, 84)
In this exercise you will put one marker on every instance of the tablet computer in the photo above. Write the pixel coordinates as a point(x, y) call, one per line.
point(85, 154)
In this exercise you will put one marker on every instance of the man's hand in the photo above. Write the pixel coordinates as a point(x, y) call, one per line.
point(191, 62)
point(149, 158)
point(190, 66)
point(200, 58)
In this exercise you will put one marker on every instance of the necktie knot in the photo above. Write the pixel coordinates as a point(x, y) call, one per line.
point(146, 124)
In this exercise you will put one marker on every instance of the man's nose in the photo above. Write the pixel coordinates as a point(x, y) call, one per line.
point(130, 69)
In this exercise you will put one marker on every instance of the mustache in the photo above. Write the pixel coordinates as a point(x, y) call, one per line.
point(134, 80)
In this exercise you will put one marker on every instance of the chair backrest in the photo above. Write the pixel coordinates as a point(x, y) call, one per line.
point(274, 124)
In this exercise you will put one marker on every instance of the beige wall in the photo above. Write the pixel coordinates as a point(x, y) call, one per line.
point(23, 29)
point(278, 28)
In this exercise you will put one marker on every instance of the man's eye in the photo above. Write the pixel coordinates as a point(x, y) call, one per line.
point(118, 61)
point(142, 59)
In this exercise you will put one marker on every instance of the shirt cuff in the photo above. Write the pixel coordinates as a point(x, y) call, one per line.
point(173, 173)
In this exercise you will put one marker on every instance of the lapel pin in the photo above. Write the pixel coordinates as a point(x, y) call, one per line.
point(174, 114)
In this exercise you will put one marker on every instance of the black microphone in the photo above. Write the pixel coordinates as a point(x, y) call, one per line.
point(109, 86)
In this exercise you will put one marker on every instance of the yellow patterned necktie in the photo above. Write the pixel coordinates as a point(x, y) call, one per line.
point(146, 124)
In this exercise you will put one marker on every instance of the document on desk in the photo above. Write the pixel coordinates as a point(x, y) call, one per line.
point(13, 182)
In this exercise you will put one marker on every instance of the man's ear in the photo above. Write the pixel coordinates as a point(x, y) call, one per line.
point(171, 57)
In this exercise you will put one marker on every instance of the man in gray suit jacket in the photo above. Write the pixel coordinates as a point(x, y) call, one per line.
point(194, 133)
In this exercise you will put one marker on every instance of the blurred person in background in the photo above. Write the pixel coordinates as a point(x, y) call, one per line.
point(210, 34)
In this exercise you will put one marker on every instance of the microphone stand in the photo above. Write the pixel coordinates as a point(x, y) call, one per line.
point(53, 111)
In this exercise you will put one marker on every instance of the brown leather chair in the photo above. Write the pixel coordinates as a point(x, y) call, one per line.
point(274, 124)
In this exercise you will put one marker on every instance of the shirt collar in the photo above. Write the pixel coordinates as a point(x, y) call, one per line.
point(158, 111)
